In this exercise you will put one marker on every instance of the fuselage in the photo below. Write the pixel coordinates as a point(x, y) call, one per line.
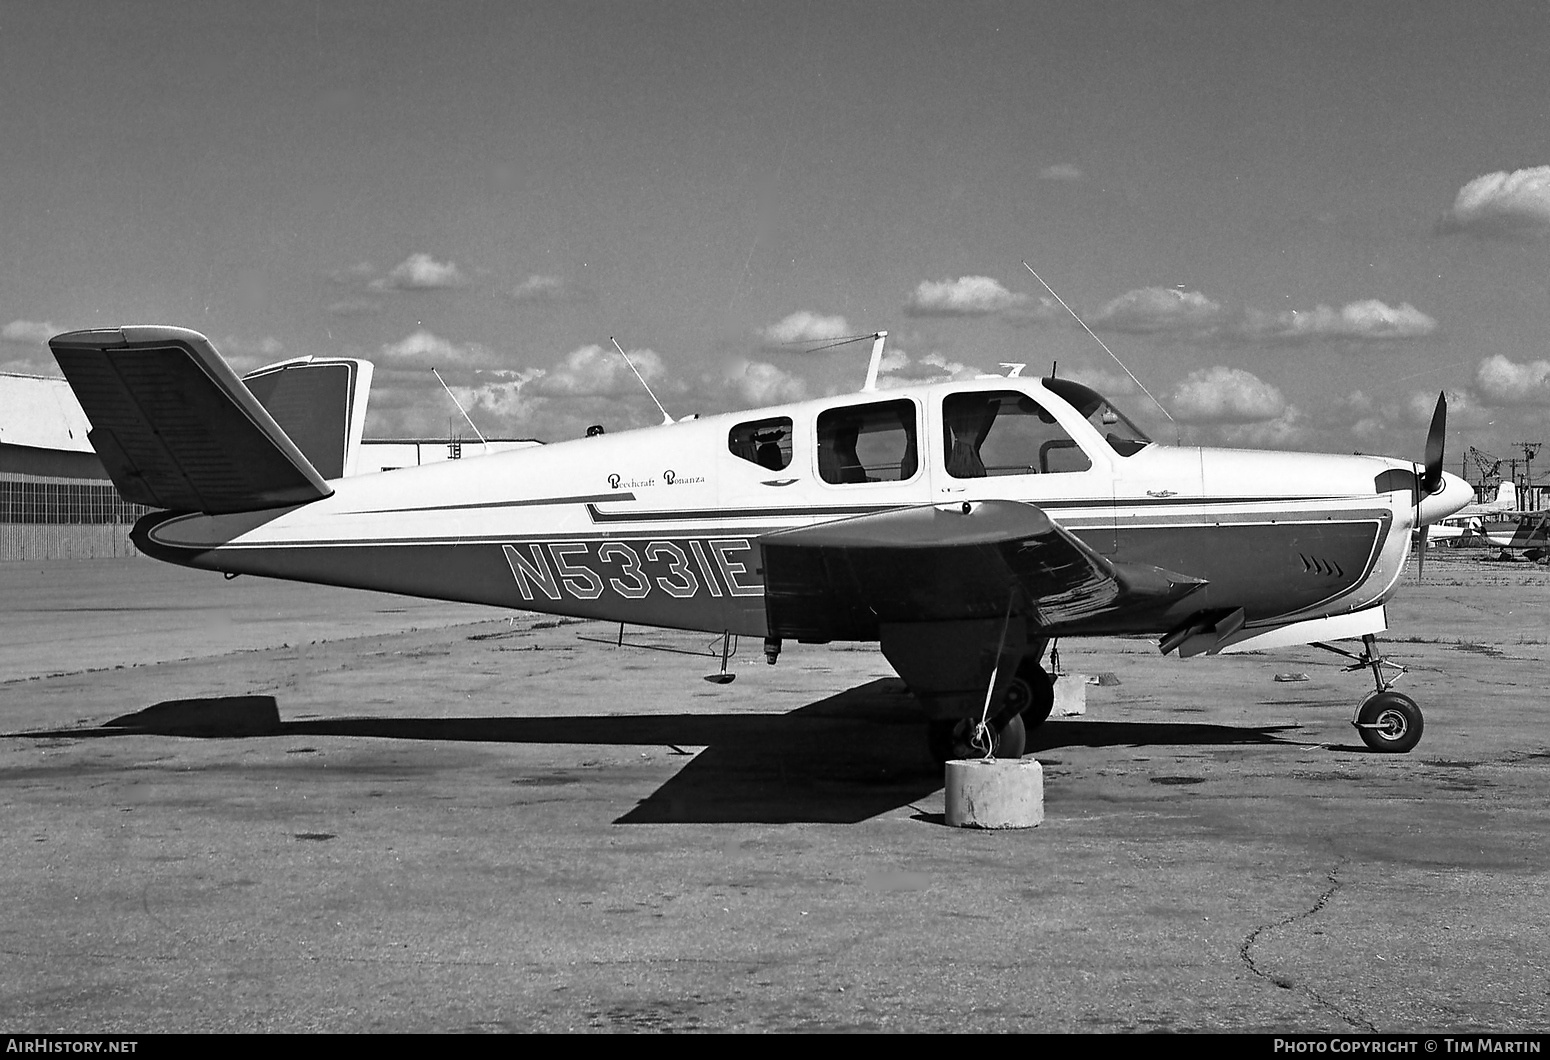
point(662, 526)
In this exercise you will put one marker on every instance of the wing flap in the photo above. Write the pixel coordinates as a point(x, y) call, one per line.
point(176, 429)
point(841, 579)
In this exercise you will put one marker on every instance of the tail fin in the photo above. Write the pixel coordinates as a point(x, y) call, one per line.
point(320, 403)
point(1506, 496)
point(175, 428)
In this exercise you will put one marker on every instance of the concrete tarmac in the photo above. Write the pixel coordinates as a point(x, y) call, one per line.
point(252, 806)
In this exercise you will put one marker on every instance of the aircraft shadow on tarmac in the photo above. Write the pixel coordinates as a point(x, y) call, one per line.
point(843, 759)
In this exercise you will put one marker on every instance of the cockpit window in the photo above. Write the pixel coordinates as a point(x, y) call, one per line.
point(868, 443)
point(1123, 436)
point(1004, 432)
point(763, 442)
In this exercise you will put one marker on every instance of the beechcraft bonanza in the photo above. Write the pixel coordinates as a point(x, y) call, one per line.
point(963, 526)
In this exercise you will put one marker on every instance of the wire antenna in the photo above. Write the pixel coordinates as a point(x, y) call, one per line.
point(666, 419)
point(877, 338)
point(459, 405)
point(841, 340)
point(1106, 349)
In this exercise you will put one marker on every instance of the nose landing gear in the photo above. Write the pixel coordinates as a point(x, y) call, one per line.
point(1389, 722)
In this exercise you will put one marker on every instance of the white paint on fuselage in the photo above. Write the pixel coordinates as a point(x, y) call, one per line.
point(683, 477)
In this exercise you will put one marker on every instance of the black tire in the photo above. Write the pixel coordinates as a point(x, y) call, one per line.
point(949, 740)
point(1390, 723)
point(1031, 695)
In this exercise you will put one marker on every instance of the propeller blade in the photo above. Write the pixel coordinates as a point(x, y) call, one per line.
point(1420, 557)
point(1435, 437)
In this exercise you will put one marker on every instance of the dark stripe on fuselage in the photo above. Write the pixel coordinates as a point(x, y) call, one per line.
point(712, 579)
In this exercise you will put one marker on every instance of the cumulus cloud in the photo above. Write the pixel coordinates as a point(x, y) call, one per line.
point(898, 368)
point(803, 326)
point(967, 296)
point(1226, 395)
point(420, 272)
point(1193, 316)
point(760, 383)
point(1061, 171)
point(1158, 309)
point(1367, 320)
point(419, 409)
point(548, 289)
point(1502, 206)
point(1288, 430)
point(598, 371)
point(424, 350)
point(28, 332)
point(590, 384)
point(1506, 382)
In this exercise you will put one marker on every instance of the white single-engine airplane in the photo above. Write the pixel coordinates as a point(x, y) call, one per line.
point(962, 525)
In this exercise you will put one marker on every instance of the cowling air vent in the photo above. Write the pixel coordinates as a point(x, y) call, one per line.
point(1326, 567)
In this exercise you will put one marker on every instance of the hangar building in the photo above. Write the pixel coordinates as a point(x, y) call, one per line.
point(55, 499)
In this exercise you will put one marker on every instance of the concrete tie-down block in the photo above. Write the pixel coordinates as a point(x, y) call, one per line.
point(995, 793)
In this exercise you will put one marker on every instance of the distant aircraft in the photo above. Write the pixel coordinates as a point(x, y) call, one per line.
point(1528, 532)
point(963, 526)
point(1470, 519)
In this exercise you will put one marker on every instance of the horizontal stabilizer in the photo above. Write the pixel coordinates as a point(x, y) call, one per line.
point(176, 429)
point(839, 580)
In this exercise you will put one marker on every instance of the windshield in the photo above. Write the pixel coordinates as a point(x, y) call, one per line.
point(1123, 436)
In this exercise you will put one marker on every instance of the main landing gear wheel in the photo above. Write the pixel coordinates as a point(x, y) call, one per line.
point(1390, 722)
point(1031, 695)
point(952, 739)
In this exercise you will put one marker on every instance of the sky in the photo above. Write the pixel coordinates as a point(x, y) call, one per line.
point(1295, 223)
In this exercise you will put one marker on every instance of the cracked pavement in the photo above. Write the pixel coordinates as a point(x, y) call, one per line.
point(404, 816)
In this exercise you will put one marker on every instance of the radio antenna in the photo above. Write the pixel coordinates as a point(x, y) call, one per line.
point(876, 362)
point(459, 405)
point(1106, 349)
point(666, 419)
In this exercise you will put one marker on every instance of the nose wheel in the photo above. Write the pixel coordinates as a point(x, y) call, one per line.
point(1389, 722)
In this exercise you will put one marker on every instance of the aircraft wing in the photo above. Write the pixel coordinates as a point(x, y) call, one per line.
point(175, 428)
point(946, 563)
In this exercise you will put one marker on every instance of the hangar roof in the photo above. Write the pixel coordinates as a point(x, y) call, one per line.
point(42, 413)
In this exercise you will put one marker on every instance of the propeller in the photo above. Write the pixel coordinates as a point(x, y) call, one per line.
point(1430, 480)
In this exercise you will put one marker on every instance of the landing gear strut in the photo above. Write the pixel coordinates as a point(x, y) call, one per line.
point(1389, 721)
